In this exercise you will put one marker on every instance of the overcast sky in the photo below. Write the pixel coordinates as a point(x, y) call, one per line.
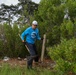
point(9, 2)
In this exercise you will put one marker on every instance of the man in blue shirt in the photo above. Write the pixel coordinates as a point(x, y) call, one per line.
point(32, 34)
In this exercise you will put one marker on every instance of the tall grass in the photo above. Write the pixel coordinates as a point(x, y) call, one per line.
point(6, 69)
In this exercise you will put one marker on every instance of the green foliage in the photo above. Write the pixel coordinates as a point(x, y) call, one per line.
point(8, 70)
point(64, 54)
point(54, 36)
point(10, 41)
point(8, 44)
point(71, 5)
point(1, 48)
point(67, 29)
point(50, 16)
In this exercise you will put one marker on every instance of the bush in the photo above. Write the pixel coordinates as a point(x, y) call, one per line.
point(54, 36)
point(10, 42)
point(67, 29)
point(64, 55)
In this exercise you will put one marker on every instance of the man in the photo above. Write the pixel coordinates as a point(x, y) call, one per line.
point(32, 34)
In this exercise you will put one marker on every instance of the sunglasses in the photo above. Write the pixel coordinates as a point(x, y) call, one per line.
point(35, 25)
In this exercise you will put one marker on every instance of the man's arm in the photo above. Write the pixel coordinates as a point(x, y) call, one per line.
point(24, 34)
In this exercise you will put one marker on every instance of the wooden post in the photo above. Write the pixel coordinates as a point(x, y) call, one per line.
point(43, 48)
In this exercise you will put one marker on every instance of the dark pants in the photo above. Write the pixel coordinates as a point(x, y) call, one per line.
point(33, 54)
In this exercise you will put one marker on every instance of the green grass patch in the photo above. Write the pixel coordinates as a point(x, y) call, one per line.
point(6, 69)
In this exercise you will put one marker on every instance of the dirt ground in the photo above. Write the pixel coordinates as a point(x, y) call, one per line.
point(47, 63)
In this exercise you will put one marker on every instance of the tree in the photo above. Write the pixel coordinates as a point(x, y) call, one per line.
point(27, 9)
point(7, 13)
point(50, 15)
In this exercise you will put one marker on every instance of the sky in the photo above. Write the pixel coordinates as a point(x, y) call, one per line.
point(14, 2)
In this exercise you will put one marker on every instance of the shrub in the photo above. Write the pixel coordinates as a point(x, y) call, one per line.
point(67, 29)
point(64, 54)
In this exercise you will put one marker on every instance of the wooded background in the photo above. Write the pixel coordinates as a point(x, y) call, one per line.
point(56, 19)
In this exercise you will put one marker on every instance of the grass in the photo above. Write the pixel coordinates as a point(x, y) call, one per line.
point(6, 69)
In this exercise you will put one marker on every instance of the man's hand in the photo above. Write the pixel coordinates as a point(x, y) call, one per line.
point(23, 42)
point(42, 38)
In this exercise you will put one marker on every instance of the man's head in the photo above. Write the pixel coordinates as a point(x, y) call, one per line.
point(34, 24)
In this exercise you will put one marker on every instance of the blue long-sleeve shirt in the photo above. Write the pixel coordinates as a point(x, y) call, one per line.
point(31, 35)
